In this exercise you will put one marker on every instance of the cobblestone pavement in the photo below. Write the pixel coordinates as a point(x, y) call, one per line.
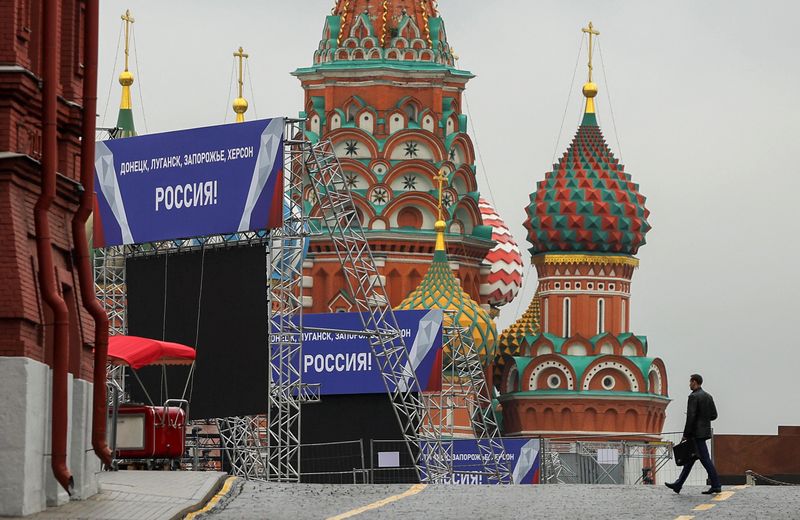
point(278, 502)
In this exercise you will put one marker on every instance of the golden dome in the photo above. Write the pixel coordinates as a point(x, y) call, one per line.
point(590, 89)
point(126, 78)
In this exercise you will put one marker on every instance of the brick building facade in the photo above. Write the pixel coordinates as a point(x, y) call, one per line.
point(26, 321)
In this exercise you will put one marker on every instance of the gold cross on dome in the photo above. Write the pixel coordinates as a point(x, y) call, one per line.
point(128, 19)
point(441, 178)
point(241, 55)
point(591, 32)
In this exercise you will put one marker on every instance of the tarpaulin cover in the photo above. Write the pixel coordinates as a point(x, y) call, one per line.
point(137, 352)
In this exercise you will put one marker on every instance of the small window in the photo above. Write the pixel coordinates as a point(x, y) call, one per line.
point(546, 323)
point(567, 285)
point(601, 286)
point(567, 329)
point(608, 382)
point(590, 285)
point(611, 287)
point(558, 285)
point(554, 381)
point(623, 317)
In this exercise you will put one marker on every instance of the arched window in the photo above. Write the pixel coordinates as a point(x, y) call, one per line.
point(350, 112)
point(409, 217)
point(411, 112)
point(567, 311)
point(601, 316)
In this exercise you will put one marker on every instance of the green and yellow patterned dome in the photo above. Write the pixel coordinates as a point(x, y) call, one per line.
point(440, 289)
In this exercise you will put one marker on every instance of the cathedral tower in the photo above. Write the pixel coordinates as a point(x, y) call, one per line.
point(384, 88)
point(571, 364)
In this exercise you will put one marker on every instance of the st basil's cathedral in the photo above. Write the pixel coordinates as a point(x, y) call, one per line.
point(385, 89)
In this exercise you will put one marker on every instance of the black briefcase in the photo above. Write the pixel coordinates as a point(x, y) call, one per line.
point(684, 452)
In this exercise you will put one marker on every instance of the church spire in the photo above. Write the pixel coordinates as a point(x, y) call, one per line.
point(125, 117)
point(440, 225)
point(240, 103)
point(590, 87)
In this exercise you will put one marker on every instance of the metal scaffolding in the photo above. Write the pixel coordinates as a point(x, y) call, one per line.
point(286, 392)
point(464, 386)
point(242, 441)
point(111, 289)
point(341, 219)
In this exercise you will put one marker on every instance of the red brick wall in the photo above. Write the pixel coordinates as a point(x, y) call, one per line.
point(25, 328)
point(769, 455)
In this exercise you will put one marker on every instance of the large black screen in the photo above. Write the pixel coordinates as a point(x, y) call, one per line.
point(229, 334)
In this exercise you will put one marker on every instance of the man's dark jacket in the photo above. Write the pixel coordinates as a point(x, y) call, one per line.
point(699, 414)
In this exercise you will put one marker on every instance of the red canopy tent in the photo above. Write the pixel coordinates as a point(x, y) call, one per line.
point(137, 352)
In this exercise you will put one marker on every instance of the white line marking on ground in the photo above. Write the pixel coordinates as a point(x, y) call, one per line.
point(413, 490)
point(725, 495)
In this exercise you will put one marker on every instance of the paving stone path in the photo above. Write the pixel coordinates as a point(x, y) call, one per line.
point(283, 501)
point(141, 495)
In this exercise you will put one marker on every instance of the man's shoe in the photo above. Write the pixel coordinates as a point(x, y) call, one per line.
point(712, 491)
point(673, 486)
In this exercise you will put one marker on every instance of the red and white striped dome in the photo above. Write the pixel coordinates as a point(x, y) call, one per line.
point(505, 277)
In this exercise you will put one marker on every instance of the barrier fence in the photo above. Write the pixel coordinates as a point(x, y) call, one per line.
point(589, 459)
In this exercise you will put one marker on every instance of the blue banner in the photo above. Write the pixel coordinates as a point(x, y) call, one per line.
point(343, 363)
point(204, 181)
point(522, 457)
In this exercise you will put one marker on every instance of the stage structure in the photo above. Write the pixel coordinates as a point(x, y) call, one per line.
point(243, 436)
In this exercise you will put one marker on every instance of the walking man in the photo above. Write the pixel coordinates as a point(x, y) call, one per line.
point(699, 413)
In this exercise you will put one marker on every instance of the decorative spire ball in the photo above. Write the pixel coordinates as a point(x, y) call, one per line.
point(125, 78)
point(240, 107)
point(240, 103)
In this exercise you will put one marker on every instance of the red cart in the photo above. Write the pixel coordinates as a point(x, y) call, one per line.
point(142, 431)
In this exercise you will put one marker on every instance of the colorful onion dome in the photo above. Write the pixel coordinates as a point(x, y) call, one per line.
point(440, 289)
point(400, 31)
point(588, 202)
point(521, 334)
point(505, 277)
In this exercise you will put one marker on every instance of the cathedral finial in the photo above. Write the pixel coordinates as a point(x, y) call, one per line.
point(240, 103)
point(440, 225)
point(125, 77)
point(590, 88)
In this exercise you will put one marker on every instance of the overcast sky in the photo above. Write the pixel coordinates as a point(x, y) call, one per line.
point(705, 101)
